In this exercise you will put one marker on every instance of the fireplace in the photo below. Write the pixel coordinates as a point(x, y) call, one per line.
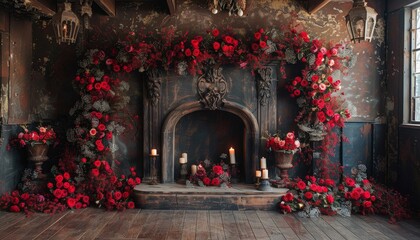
point(206, 115)
point(207, 134)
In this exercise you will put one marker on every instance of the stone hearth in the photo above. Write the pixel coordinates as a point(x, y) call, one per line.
point(176, 196)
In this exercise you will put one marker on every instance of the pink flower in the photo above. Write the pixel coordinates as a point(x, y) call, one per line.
point(297, 143)
point(290, 135)
point(322, 87)
point(92, 132)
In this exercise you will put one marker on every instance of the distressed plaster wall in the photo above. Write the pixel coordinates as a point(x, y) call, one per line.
point(54, 66)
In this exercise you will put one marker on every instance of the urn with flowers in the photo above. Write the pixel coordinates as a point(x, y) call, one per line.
point(284, 150)
point(37, 143)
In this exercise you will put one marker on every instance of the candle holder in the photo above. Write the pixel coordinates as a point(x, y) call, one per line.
point(257, 182)
point(153, 177)
point(264, 185)
point(233, 173)
point(183, 174)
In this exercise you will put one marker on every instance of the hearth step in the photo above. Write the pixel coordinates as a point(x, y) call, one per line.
point(177, 196)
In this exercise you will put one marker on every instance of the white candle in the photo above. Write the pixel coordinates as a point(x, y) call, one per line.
point(232, 155)
point(153, 152)
point(264, 174)
point(193, 169)
point(258, 173)
point(185, 155)
point(263, 163)
point(182, 160)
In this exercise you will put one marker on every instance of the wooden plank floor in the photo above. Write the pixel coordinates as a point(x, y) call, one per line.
point(92, 223)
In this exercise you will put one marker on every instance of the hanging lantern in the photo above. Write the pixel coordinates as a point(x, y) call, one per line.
point(66, 25)
point(361, 21)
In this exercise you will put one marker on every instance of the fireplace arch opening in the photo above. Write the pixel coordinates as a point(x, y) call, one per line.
point(239, 118)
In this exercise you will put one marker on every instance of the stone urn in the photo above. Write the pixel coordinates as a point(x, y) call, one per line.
point(284, 161)
point(37, 153)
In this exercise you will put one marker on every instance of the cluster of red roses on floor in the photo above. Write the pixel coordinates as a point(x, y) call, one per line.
point(365, 196)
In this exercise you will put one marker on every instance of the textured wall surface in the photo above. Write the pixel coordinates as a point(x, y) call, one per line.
point(54, 66)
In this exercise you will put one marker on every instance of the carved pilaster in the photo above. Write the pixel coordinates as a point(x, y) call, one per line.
point(264, 85)
point(212, 88)
point(154, 82)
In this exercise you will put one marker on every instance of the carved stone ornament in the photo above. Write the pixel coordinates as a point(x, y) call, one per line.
point(153, 86)
point(212, 88)
point(264, 84)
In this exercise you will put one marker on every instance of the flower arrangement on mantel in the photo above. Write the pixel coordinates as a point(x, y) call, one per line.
point(356, 194)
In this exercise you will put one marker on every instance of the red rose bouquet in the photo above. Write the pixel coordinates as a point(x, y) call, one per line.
point(289, 143)
point(40, 135)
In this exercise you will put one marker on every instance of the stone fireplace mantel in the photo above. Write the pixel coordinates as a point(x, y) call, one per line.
point(167, 99)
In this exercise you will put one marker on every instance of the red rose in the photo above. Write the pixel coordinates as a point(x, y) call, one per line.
point(117, 195)
point(321, 116)
point(59, 184)
point(71, 202)
point(126, 195)
point(188, 52)
point(101, 127)
point(254, 46)
point(105, 86)
point(15, 200)
point(296, 92)
point(206, 181)
point(216, 46)
point(215, 32)
point(14, 208)
point(217, 169)
point(367, 204)
point(66, 185)
point(228, 39)
point(366, 194)
point(215, 182)
point(288, 197)
point(50, 185)
point(97, 86)
point(372, 198)
point(194, 43)
point(313, 187)
point(57, 193)
point(330, 199)
point(130, 205)
point(196, 52)
point(225, 48)
point(95, 172)
point(138, 180)
point(100, 147)
point(97, 163)
point(308, 195)
point(66, 176)
point(108, 135)
point(71, 189)
point(301, 185)
point(59, 178)
point(131, 182)
point(116, 68)
point(263, 44)
point(304, 83)
point(355, 195)
point(257, 35)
